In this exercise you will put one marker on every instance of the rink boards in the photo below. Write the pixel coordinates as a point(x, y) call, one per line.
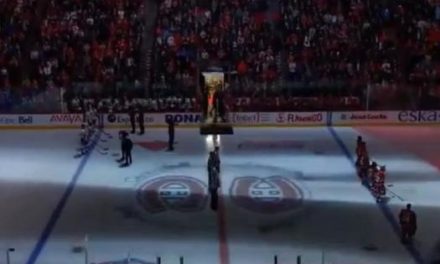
point(238, 119)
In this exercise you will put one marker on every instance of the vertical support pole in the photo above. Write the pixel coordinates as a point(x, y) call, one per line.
point(181, 260)
point(86, 249)
point(298, 259)
point(158, 260)
point(275, 259)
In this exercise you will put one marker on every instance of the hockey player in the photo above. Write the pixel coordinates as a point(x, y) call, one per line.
point(364, 163)
point(122, 134)
point(91, 117)
point(371, 172)
point(361, 148)
point(408, 224)
point(379, 184)
point(86, 135)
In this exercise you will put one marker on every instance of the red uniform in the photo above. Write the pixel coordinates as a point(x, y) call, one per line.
point(408, 224)
point(361, 149)
point(372, 171)
point(379, 184)
point(364, 163)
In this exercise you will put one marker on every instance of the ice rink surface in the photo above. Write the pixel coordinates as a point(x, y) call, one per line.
point(285, 191)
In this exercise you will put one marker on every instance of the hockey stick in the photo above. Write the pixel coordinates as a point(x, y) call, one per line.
point(103, 148)
point(102, 152)
point(107, 134)
point(395, 194)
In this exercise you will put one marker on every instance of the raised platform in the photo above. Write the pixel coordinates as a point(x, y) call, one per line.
point(216, 129)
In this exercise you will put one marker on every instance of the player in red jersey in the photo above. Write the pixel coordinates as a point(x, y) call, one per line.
point(372, 170)
point(408, 224)
point(361, 149)
point(379, 184)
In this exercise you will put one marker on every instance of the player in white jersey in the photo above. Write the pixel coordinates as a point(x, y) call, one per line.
point(88, 131)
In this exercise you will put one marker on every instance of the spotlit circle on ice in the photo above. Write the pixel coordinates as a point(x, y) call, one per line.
point(267, 195)
point(177, 193)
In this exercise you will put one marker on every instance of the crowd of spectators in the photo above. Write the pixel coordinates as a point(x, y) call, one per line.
point(351, 43)
point(232, 34)
point(390, 47)
point(54, 43)
point(121, 104)
point(361, 41)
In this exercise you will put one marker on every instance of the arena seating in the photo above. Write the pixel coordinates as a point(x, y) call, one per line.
point(287, 54)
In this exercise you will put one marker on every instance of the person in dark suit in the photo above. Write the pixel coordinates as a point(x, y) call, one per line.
point(141, 119)
point(171, 128)
point(219, 106)
point(126, 148)
point(213, 180)
point(132, 116)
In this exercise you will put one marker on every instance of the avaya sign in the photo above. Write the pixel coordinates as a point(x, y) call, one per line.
point(66, 119)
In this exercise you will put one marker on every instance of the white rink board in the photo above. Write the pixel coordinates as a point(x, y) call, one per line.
point(280, 119)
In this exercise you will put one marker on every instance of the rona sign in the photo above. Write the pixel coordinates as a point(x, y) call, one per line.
point(188, 118)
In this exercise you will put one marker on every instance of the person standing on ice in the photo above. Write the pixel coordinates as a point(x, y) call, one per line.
point(132, 116)
point(408, 224)
point(213, 180)
point(379, 184)
point(361, 148)
point(171, 128)
point(121, 136)
point(217, 161)
point(140, 118)
point(127, 146)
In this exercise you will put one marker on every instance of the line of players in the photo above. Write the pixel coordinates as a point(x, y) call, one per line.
point(373, 176)
point(92, 122)
point(370, 173)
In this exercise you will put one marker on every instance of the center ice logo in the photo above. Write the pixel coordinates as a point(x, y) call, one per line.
point(176, 193)
point(271, 195)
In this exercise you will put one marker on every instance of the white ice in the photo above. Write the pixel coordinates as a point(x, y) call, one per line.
point(336, 223)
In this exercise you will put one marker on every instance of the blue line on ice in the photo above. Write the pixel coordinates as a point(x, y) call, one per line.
point(54, 217)
point(384, 208)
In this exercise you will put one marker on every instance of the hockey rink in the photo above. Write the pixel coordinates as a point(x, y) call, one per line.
point(287, 192)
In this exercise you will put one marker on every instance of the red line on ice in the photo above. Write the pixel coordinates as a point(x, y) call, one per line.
point(223, 243)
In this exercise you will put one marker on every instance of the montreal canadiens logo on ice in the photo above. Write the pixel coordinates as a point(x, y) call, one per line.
point(176, 193)
point(275, 194)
